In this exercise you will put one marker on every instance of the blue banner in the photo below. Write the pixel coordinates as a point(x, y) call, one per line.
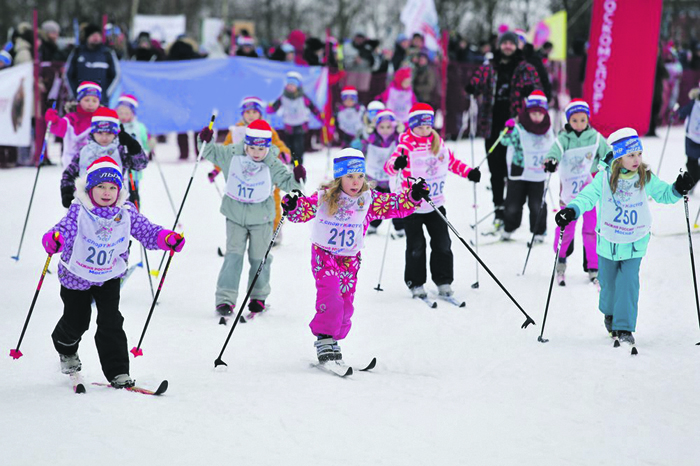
point(180, 96)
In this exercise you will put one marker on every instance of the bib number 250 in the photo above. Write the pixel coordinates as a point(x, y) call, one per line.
point(626, 217)
point(342, 238)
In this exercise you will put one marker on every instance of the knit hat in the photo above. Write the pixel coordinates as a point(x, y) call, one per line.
point(258, 134)
point(104, 120)
point(348, 92)
point(87, 88)
point(577, 106)
point(294, 78)
point(90, 29)
point(245, 40)
point(5, 57)
point(348, 161)
point(373, 108)
point(386, 115)
point(128, 100)
point(401, 74)
point(537, 99)
point(252, 103)
point(103, 170)
point(421, 114)
point(624, 141)
point(50, 26)
point(509, 36)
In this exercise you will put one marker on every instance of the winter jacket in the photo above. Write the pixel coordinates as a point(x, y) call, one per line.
point(395, 95)
point(250, 213)
point(308, 103)
point(424, 83)
point(93, 151)
point(591, 195)
point(692, 148)
point(535, 60)
point(483, 83)
point(74, 128)
point(141, 229)
point(568, 139)
point(99, 65)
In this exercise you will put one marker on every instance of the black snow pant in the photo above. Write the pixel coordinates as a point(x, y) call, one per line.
point(499, 173)
point(518, 193)
point(693, 166)
point(441, 260)
point(295, 141)
point(110, 338)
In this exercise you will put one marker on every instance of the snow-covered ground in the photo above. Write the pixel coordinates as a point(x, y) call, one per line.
point(452, 386)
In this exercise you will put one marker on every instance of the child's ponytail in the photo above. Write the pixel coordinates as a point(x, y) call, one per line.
point(436, 143)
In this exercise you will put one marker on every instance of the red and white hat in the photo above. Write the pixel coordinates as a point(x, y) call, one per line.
point(245, 40)
point(421, 114)
point(348, 92)
point(252, 103)
point(104, 120)
point(577, 106)
point(259, 134)
point(129, 100)
point(537, 99)
point(87, 88)
point(103, 170)
point(385, 115)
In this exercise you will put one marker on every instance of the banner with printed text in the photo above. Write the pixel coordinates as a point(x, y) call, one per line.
point(621, 63)
point(16, 100)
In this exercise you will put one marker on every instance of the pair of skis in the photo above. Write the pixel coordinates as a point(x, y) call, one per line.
point(79, 386)
point(223, 320)
point(341, 369)
point(450, 299)
point(617, 343)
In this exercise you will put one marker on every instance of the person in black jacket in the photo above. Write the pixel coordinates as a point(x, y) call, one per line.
point(93, 61)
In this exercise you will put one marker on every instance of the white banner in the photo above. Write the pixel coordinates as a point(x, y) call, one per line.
point(163, 28)
point(16, 99)
point(421, 16)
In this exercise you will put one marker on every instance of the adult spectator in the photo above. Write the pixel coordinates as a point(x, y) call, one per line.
point(246, 47)
point(357, 54)
point(22, 40)
point(657, 98)
point(93, 61)
point(314, 51)
point(514, 79)
point(400, 58)
point(297, 39)
point(694, 62)
point(424, 79)
point(49, 49)
point(145, 49)
point(535, 60)
point(283, 52)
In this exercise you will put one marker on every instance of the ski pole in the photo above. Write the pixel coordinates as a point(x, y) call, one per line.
point(537, 222)
point(551, 283)
point(187, 191)
point(36, 178)
point(472, 133)
point(136, 350)
point(692, 257)
point(16, 353)
point(663, 150)
point(165, 183)
point(500, 136)
point(473, 225)
point(528, 320)
point(218, 361)
point(143, 248)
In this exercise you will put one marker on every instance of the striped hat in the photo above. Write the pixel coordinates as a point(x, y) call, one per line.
point(103, 170)
point(577, 106)
point(252, 103)
point(104, 120)
point(348, 92)
point(87, 88)
point(386, 115)
point(128, 100)
point(347, 161)
point(421, 114)
point(624, 141)
point(294, 78)
point(258, 134)
point(537, 99)
point(245, 40)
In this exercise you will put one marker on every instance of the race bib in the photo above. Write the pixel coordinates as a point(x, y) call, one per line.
point(575, 170)
point(433, 168)
point(350, 121)
point(535, 148)
point(342, 233)
point(400, 102)
point(693, 124)
point(294, 112)
point(375, 159)
point(248, 181)
point(625, 216)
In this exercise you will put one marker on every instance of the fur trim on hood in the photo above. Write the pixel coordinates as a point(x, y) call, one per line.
point(82, 195)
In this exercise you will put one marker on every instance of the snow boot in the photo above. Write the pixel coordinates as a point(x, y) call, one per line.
point(324, 348)
point(626, 336)
point(337, 354)
point(70, 364)
point(419, 292)
point(372, 230)
point(608, 324)
point(561, 268)
point(539, 239)
point(593, 276)
point(122, 381)
point(256, 305)
point(506, 235)
point(224, 309)
point(445, 290)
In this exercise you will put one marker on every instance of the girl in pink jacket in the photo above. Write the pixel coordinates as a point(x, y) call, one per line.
point(341, 212)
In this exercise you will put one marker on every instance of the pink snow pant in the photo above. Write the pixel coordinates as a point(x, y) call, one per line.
point(336, 277)
point(589, 239)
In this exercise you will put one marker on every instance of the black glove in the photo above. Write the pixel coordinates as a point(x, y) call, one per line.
point(565, 216)
point(684, 183)
point(401, 162)
point(126, 140)
point(420, 190)
point(289, 201)
point(550, 165)
point(67, 196)
point(474, 175)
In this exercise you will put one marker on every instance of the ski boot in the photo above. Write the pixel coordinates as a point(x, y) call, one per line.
point(445, 290)
point(256, 305)
point(337, 354)
point(608, 324)
point(224, 309)
point(122, 381)
point(324, 348)
point(626, 336)
point(593, 277)
point(372, 230)
point(506, 235)
point(539, 239)
point(419, 292)
point(561, 268)
point(70, 364)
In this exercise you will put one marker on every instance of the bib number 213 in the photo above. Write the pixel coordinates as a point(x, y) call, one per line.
point(342, 238)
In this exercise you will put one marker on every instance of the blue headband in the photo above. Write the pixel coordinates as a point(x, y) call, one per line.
point(104, 127)
point(421, 119)
point(257, 141)
point(345, 165)
point(577, 109)
point(251, 106)
point(626, 146)
point(103, 175)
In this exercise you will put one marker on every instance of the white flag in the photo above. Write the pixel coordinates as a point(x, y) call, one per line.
point(421, 16)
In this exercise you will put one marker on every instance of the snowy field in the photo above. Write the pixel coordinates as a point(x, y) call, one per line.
point(452, 386)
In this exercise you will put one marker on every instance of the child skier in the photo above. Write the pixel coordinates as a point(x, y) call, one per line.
point(296, 107)
point(348, 117)
point(399, 96)
point(369, 117)
point(378, 147)
point(528, 142)
point(577, 150)
point(421, 153)
point(74, 128)
point(126, 110)
point(94, 238)
point(691, 112)
point(252, 169)
point(341, 212)
point(621, 190)
point(105, 141)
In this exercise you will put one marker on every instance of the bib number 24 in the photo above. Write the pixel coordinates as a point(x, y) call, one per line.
point(342, 238)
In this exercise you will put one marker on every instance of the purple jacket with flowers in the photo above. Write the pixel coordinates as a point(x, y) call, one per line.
point(141, 229)
point(94, 151)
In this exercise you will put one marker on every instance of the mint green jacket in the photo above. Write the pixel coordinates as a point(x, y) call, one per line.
point(569, 140)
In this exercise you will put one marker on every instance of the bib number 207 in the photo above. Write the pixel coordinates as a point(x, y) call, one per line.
point(342, 238)
point(101, 258)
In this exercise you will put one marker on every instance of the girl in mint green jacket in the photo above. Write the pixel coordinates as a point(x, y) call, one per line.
point(621, 190)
